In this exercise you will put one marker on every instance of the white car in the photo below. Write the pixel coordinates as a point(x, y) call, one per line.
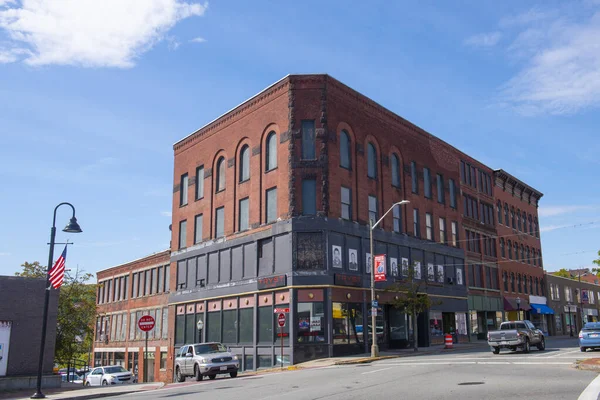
point(111, 375)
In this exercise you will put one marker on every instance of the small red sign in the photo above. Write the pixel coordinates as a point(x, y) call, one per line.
point(282, 310)
point(380, 268)
point(281, 320)
point(146, 323)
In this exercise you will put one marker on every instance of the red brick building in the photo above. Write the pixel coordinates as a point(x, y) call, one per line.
point(125, 293)
point(519, 245)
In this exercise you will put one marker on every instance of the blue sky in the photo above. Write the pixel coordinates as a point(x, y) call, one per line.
point(94, 94)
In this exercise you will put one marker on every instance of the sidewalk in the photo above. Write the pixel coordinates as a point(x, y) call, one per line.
point(78, 392)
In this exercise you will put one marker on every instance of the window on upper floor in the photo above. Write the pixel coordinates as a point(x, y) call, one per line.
point(244, 214)
point(373, 215)
point(396, 214)
point(440, 189)
point(200, 182)
point(530, 225)
point(520, 227)
point(221, 174)
point(524, 220)
point(510, 249)
point(427, 182)
point(220, 222)
point(442, 225)
point(455, 234)
point(346, 197)
point(271, 149)
point(183, 192)
point(536, 227)
point(308, 140)
point(527, 255)
point(502, 249)
point(371, 161)
point(506, 219)
point(309, 197)
point(416, 223)
point(429, 226)
point(499, 211)
point(505, 281)
point(182, 234)
point(516, 250)
point(512, 282)
point(522, 254)
point(452, 190)
point(198, 222)
point(413, 177)
point(512, 218)
point(271, 205)
point(345, 146)
point(395, 161)
point(245, 163)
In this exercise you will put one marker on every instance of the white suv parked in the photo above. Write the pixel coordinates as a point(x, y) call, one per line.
point(205, 359)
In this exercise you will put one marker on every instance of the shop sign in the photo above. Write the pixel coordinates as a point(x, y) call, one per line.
point(315, 324)
point(380, 268)
point(347, 280)
point(271, 282)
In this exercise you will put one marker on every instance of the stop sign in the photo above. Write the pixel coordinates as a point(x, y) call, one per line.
point(281, 320)
point(146, 323)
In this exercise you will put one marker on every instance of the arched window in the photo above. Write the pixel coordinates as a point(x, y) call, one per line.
point(533, 256)
point(510, 257)
point(221, 174)
point(536, 227)
point(525, 284)
point(536, 286)
point(542, 288)
point(512, 218)
point(371, 161)
point(522, 259)
point(516, 248)
point(519, 286)
point(505, 281)
point(271, 148)
point(499, 209)
point(530, 225)
point(519, 219)
point(530, 285)
point(245, 163)
point(528, 255)
point(506, 220)
point(502, 249)
point(395, 170)
point(345, 155)
point(524, 219)
point(512, 281)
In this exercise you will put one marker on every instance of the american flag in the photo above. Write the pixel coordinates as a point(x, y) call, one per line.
point(57, 273)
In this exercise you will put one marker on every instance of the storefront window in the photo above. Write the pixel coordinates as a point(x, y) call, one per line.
point(347, 323)
point(190, 328)
point(474, 323)
point(120, 359)
point(213, 334)
point(558, 323)
point(163, 360)
point(230, 326)
point(461, 323)
point(248, 363)
point(311, 322)
point(398, 327)
point(180, 329)
point(246, 325)
point(265, 326)
point(435, 325)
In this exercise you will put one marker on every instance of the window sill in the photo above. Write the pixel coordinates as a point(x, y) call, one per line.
point(219, 191)
point(270, 170)
point(244, 181)
point(346, 168)
point(199, 198)
point(183, 205)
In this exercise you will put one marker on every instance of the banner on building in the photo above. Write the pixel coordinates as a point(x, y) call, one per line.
point(380, 268)
point(585, 297)
point(5, 327)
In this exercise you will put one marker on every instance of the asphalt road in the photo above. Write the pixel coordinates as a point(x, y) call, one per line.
point(476, 374)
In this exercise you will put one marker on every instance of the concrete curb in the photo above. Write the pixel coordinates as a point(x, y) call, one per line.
point(74, 395)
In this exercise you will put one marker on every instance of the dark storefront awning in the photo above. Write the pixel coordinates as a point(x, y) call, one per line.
point(510, 304)
point(541, 309)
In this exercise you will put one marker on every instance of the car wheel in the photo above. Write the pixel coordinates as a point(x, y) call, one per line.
point(197, 373)
point(104, 383)
point(179, 376)
point(233, 374)
point(583, 349)
point(211, 377)
point(526, 347)
point(87, 384)
point(542, 345)
point(496, 350)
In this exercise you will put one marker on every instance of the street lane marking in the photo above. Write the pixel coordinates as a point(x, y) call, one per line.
point(377, 370)
point(591, 391)
point(481, 363)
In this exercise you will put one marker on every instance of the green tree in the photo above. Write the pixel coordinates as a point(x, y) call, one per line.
point(76, 312)
point(597, 262)
point(411, 296)
point(563, 273)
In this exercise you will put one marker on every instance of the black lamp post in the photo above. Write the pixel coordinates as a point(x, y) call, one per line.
point(72, 227)
point(200, 325)
point(519, 306)
point(570, 320)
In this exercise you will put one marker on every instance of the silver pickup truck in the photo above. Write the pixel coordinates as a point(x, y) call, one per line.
point(205, 359)
point(516, 334)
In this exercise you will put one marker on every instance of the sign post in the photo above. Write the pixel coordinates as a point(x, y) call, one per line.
point(146, 324)
point(281, 322)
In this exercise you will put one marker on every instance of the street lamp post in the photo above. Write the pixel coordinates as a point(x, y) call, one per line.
point(519, 307)
point(372, 225)
point(72, 227)
point(570, 320)
point(200, 326)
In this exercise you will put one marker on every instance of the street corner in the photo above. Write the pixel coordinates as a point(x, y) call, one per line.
point(588, 364)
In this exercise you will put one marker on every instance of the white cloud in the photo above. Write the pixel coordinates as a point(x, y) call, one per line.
point(552, 211)
point(198, 40)
point(166, 213)
point(90, 33)
point(530, 16)
point(173, 43)
point(484, 39)
point(560, 64)
point(3, 254)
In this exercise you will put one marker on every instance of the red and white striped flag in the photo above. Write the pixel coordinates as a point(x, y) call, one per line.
point(57, 273)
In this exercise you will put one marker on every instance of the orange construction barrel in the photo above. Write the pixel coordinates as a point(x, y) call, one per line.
point(448, 341)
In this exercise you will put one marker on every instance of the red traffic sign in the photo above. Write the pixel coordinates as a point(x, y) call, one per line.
point(146, 323)
point(281, 320)
point(282, 310)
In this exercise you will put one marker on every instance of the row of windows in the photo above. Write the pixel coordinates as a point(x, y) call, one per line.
point(144, 283)
point(427, 184)
point(430, 229)
point(112, 290)
point(469, 174)
point(522, 284)
point(521, 253)
point(483, 212)
point(113, 328)
point(521, 221)
point(589, 294)
point(478, 273)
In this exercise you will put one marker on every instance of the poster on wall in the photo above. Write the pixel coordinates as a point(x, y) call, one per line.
point(5, 327)
point(459, 277)
point(337, 256)
point(417, 269)
point(394, 266)
point(315, 324)
point(353, 259)
point(440, 273)
point(430, 272)
point(404, 266)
